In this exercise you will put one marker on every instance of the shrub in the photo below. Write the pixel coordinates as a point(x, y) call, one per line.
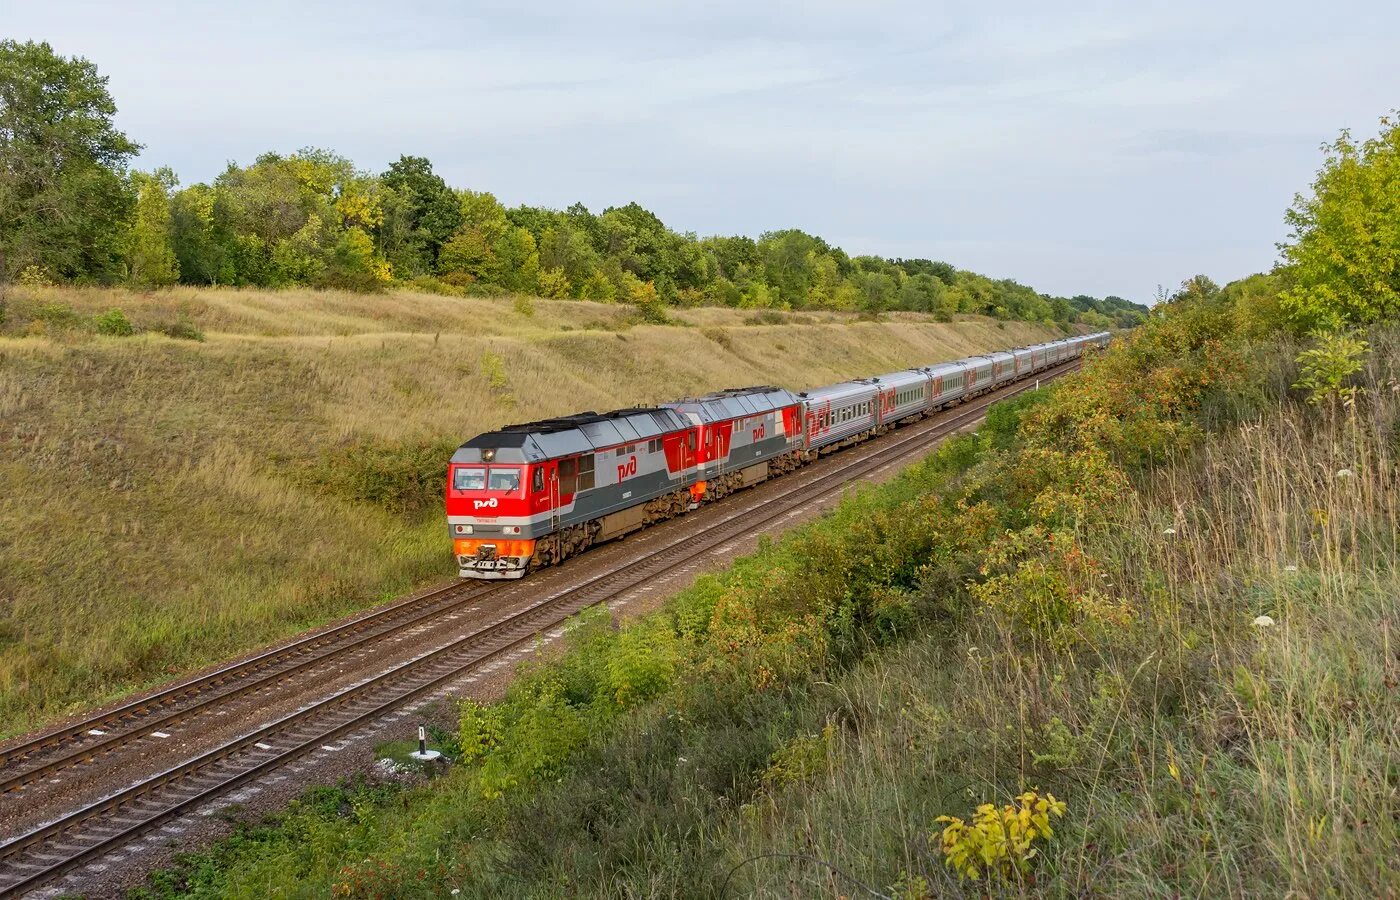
point(493, 368)
point(58, 315)
point(999, 842)
point(36, 276)
point(181, 329)
point(114, 323)
point(404, 477)
point(1326, 368)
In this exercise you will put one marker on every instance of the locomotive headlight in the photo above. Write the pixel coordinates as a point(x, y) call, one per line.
point(463, 529)
point(510, 529)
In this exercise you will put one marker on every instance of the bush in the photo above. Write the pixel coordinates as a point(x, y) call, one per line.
point(406, 478)
point(181, 329)
point(58, 315)
point(114, 323)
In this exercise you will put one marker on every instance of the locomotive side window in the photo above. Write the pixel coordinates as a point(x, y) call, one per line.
point(468, 479)
point(585, 472)
point(537, 483)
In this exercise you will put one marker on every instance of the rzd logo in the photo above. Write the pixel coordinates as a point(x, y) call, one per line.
point(627, 469)
point(484, 504)
point(758, 433)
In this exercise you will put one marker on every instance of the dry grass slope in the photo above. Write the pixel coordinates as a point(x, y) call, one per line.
point(166, 502)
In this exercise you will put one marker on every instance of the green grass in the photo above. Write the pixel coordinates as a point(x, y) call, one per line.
point(251, 463)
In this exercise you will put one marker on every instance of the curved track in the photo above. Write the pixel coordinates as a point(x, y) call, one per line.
point(44, 853)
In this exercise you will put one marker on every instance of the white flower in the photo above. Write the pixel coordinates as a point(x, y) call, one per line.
point(1263, 621)
point(1168, 531)
point(1344, 473)
point(1290, 568)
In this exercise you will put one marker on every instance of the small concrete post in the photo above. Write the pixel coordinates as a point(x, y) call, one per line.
point(423, 754)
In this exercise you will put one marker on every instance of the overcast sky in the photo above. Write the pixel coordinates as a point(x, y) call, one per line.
point(1076, 147)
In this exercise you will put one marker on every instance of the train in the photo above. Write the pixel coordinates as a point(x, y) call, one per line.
point(532, 495)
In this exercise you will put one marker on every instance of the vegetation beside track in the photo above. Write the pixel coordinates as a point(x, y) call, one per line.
point(168, 502)
point(1161, 592)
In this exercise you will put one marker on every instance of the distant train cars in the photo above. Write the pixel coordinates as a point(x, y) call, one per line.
point(531, 495)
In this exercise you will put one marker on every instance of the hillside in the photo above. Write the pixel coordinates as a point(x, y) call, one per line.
point(1133, 638)
point(277, 462)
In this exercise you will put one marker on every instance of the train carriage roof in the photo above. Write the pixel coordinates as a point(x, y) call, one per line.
point(735, 403)
point(897, 380)
point(942, 370)
point(568, 435)
point(846, 390)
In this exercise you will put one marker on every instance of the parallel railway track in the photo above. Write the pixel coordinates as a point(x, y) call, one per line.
point(45, 853)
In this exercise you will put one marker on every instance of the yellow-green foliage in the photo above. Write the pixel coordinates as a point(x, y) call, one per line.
point(1342, 261)
point(998, 841)
point(1326, 368)
point(800, 758)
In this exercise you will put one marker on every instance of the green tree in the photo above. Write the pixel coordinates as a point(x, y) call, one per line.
point(788, 258)
point(467, 256)
point(203, 253)
point(63, 197)
point(517, 261)
point(355, 264)
point(151, 258)
point(1343, 256)
point(482, 211)
point(427, 213)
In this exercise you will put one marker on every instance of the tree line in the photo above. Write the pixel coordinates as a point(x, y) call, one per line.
point(71, 210)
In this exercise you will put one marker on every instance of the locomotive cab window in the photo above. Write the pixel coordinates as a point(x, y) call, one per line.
point(468, 479)
point(537, 481)
point(505, 479)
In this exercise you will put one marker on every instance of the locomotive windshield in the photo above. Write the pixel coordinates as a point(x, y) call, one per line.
point(505, 479)
point(466, 479)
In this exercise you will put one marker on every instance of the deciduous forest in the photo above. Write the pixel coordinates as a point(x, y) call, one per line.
point(72, 210)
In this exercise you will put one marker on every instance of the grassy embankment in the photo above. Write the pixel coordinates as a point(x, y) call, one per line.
point(168, 500)
point(1069, 602)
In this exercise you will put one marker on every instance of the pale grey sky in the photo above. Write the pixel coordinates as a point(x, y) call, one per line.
point(1100, 148)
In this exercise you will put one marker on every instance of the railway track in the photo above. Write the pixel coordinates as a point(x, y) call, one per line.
point(84, 741)
point(44, 853)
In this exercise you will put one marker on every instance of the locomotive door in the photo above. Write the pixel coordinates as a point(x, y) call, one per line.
point(554, 512)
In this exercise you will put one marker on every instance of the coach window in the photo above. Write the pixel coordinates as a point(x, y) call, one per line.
point(585, 472)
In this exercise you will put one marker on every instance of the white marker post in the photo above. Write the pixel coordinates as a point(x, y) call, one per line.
point(423, 754)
